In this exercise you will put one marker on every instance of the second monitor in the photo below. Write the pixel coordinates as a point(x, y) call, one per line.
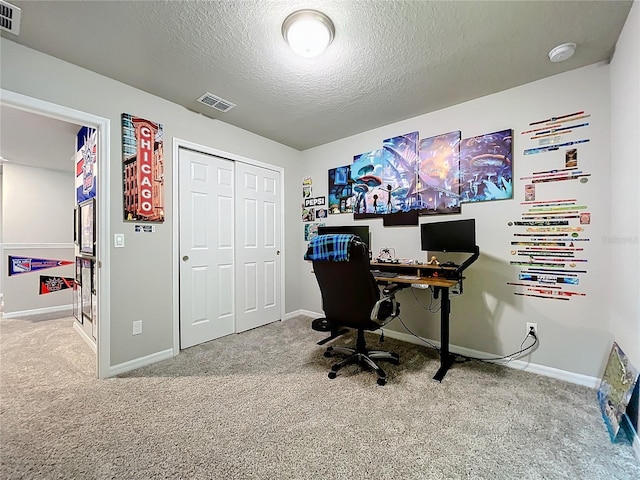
point(453, 236)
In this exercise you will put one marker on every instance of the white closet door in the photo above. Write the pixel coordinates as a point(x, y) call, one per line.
point(206, 247)
point(258, 244)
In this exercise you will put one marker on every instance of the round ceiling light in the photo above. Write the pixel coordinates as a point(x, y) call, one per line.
point(562, 52)
point(308, 32)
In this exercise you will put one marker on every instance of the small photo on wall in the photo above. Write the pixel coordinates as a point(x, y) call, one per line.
point(308, 215)
point(571, 158)
point(585, 218)
point(311, 230)
point(306, 192)
point(529, 192)
point(321, 213)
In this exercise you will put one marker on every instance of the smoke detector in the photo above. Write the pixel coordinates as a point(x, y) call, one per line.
point(562, 52)
point(9, 18)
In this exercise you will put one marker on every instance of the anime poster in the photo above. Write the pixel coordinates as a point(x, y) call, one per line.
point(486, 167)
point(143, 169)
point(18, 265)
point(86, 164)
point(615, 389)
point(384, 180)
point(438, 187)
point(340, 192)
point(49, 284)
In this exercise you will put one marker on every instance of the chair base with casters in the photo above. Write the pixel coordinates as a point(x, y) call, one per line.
point(363, 357)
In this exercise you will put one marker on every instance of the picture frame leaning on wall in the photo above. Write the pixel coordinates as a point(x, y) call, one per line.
point(87, 241)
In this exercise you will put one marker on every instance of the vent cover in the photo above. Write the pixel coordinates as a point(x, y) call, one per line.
point(214, 101)
point(9, 18)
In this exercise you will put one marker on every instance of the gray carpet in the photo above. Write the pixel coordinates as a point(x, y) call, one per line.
point(259, 405)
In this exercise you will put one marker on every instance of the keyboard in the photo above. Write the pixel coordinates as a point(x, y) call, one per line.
point(379, 274)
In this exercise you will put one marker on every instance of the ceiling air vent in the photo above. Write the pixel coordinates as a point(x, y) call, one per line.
point(213, 101)
point(9, 18)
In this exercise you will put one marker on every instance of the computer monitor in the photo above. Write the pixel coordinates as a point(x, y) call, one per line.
point(453, 236)
point(361, 231)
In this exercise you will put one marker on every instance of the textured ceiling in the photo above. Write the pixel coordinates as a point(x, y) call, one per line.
point(390, 60)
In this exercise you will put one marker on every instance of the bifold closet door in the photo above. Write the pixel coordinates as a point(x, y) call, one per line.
point(258, 244)
point(207, 243)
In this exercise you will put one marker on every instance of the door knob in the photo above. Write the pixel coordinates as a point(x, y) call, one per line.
point(185, 258)
point(277, 252)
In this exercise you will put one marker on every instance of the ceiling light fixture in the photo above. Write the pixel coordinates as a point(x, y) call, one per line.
point(308, 32)
point(562, 52)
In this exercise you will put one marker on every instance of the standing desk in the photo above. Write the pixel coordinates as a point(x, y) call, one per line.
point(440, 284)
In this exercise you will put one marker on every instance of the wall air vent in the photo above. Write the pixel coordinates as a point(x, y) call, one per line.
point(9, 18)
point(216, 102)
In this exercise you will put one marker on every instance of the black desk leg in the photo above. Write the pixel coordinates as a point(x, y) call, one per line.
point(446, 359)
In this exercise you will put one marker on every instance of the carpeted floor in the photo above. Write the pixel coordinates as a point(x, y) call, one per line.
point(259, 405)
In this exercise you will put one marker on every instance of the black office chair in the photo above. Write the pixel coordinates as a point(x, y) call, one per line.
point(352, 298)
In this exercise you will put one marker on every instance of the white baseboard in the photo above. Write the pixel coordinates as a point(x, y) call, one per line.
point(139, 362)
point(558, 374)
point(576, 378)
point(306, 313)
point(37, 311)
point(90, 341)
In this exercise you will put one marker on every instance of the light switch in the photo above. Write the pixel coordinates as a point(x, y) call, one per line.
point(118, 240)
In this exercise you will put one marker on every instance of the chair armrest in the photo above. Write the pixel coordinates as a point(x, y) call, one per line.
point(391, 289)
point(387, 308)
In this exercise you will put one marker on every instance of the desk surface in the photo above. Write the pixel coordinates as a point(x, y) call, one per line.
point(415, 274)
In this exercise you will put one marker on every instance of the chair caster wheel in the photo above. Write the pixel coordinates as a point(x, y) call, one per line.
point(332, 375)
point(382, 381)
point(328, 354)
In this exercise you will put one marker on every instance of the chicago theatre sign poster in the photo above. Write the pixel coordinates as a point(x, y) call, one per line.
point(143, 169)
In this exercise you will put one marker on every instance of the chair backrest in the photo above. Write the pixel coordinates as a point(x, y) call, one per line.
point(348, 289)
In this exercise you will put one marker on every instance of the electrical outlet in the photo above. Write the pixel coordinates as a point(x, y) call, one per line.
point(137, 327)
point(533, 326)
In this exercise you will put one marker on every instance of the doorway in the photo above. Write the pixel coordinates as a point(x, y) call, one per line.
point(58, 112)
point(228, 244)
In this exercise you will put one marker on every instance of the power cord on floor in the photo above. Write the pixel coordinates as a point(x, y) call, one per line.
point(512, 356)
point(466, 358)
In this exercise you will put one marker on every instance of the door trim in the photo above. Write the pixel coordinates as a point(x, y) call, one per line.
point(103, 126)
point(177, 145)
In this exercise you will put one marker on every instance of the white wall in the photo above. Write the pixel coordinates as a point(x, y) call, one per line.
point(37, 209)
point(624, 289)
point(575, 335)
point(142, 272)
point(38, 204)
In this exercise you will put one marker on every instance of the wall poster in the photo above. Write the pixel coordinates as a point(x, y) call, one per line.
point(143, 169)
point(86, 164)
point(340, 192)
point(486, 167)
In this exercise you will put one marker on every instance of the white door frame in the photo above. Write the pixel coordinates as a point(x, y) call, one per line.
point(177, 145)
point(59, 112)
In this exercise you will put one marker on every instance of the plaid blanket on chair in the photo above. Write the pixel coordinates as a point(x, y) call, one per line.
point(330, 248)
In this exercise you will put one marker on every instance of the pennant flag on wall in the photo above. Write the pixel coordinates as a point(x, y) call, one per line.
point(18, 265)
point(50, 284)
